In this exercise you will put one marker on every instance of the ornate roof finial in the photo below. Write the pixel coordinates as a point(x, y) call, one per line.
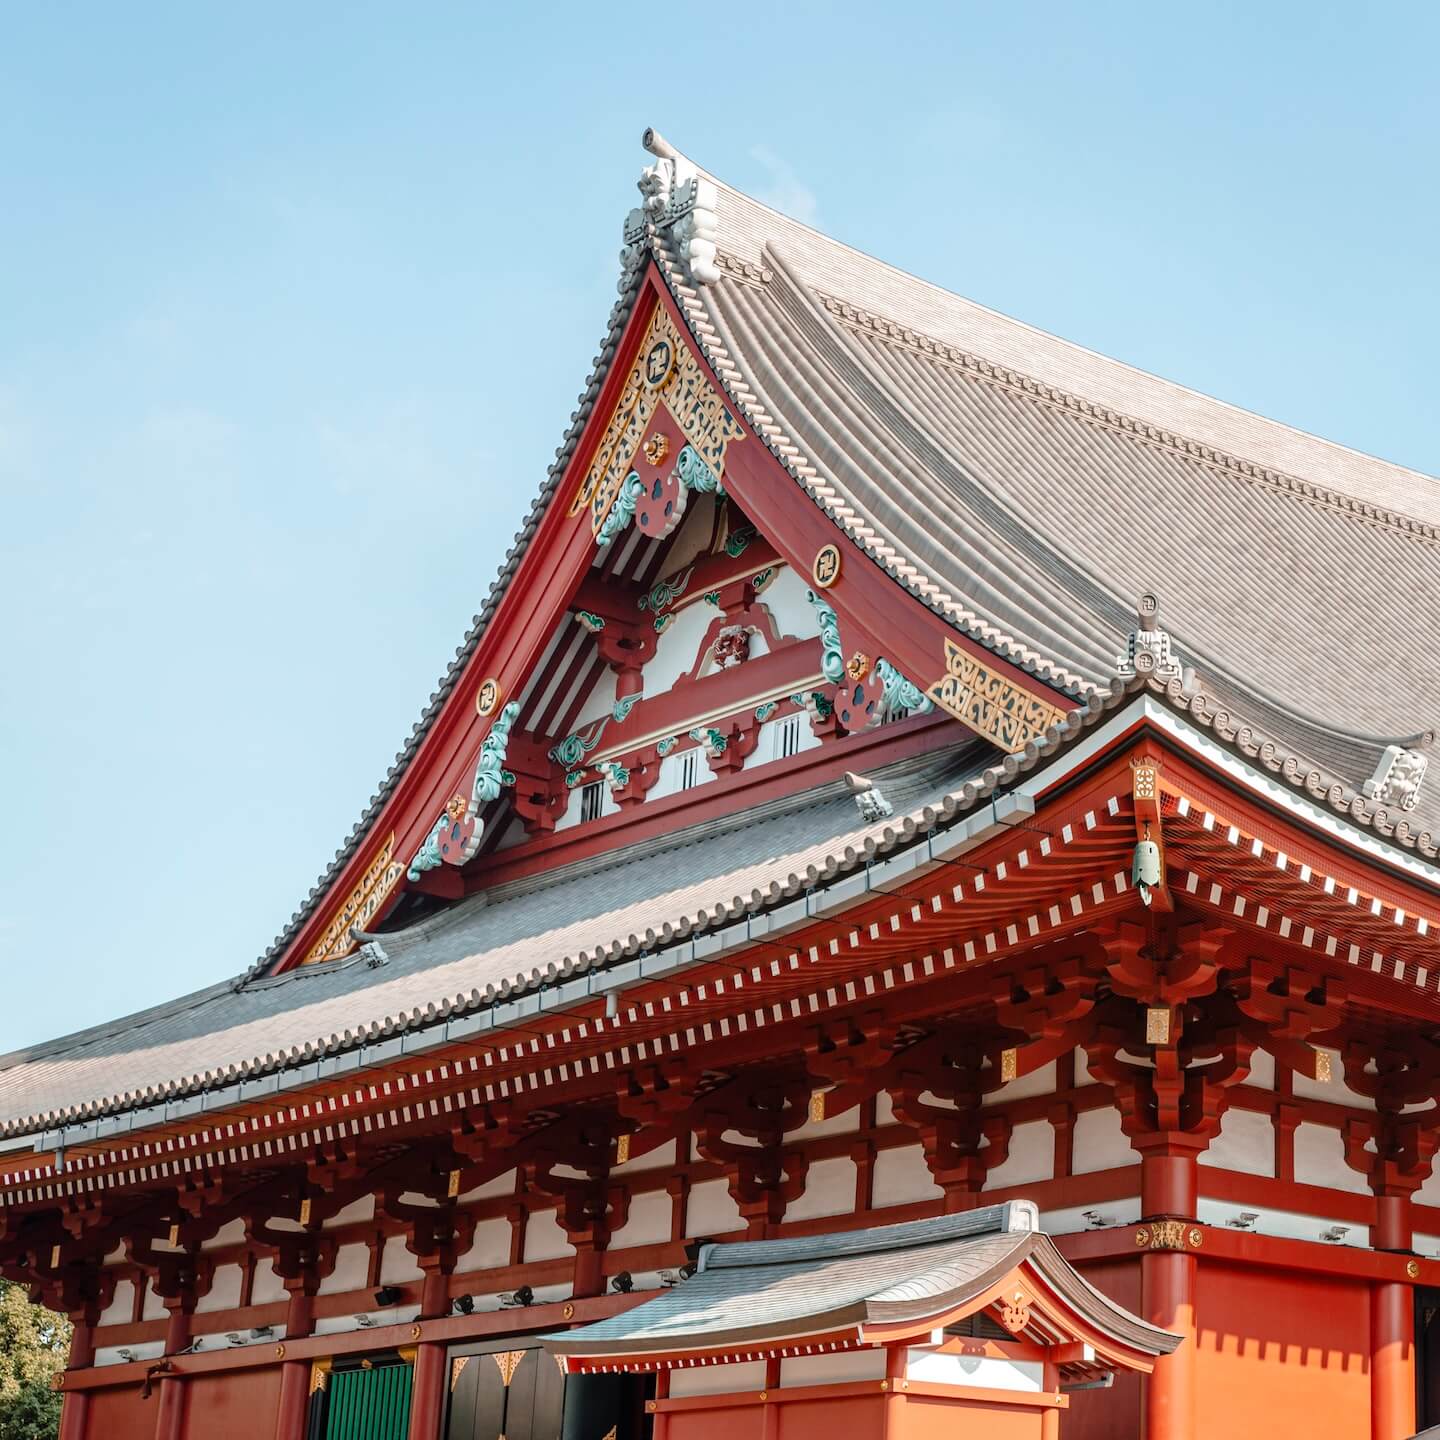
point(1147, 651)
point(1397, 777)
point(677, 198)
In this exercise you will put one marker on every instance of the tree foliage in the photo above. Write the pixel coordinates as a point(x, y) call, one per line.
point(33, 1346)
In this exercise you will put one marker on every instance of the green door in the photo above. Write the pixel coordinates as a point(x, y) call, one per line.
point(368, 1403)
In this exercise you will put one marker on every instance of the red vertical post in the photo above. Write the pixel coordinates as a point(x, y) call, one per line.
point(75, 1407)
point(1167, 1281)
point(294, 1409)
point(1392, 1330)
point(427, 1396)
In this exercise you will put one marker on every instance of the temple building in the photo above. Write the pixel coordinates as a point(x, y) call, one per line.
point(914, 911)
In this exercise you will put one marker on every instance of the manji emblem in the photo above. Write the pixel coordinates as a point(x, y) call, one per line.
point(990, 704)
point(826, 569)
point(665, 387)
point(487, 697)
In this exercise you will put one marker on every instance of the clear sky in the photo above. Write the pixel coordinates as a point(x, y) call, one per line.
point(295, 302)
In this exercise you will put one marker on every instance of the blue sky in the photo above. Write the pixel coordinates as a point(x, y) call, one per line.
point(295, 303)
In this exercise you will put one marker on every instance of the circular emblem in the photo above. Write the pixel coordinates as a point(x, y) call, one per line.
point(1196, 1238)
point(279, 1352)
point(659, 362)
point(1412, 1269)
point(826, 569)
point(568, 1312)
point(487, 697)
point(414, 1332)
point(1142, 1237)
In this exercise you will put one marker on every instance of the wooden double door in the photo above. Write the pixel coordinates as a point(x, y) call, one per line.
point(515, 1391)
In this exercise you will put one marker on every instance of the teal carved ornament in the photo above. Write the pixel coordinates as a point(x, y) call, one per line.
point(456, 835)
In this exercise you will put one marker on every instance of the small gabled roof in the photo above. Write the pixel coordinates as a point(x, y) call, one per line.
point(845, 1286)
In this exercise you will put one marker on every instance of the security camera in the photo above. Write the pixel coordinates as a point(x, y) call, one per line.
point(387, 1296)
point(366, 1322)
point(623, 1283)
point(464, 1304)
point(262, 1332)
point(125, 1354)
point(521, 1297)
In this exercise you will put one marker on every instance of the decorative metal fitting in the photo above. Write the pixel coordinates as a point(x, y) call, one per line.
point(657, 447)
point(858, 665)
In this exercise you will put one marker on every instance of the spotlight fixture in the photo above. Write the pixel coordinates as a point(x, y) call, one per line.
point(1335, 1234)
point(521, 1297)
point(262, 1332)
point(235, 1337)
point(1245, 1220)
point(124, 1354)
point(1094, 1220)
point(464, 1304)
point(623, 1283)
point(388, 1296)
point(669, 1278)
point(366, 1322)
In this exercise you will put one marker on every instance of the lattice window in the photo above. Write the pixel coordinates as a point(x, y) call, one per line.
point(787, 742)
point(592, 800)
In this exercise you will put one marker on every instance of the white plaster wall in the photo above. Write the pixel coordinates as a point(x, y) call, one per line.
point(154, 1306)
point(717, 1379)
point(845, 1123)
point(1262, 1070)
point(786, 598)
point(648, 1222)
point(800, 1370)
point(1099, 1143)
point(1031, 1157)
point(1320, 1160)
point(600, 701)
point(231, 1234)
point(1288, 1224)
point(1334, 1089)
point(884, 1109)
point(352, 1269)
point(224, 1292)
point(1042, 1082)
point(829, 1190)
point(267, 1285)
point(397, 1264)
point(1082, 1067)
point(489, 1250)
point(676, 652)
point(710, 1210)
point(1429, 1192)
point(355, 1213)
point(901, 1175)
point(119, 1310)
point(1070, 1218)
point(990, 1372)
point(500, 1185)
point(660, 1157)
point(544, 1237)
point(1246, 1142)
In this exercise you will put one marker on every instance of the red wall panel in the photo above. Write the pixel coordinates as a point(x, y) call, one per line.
point(120, 1414)
point(233, 1405)
point(1274, 1345)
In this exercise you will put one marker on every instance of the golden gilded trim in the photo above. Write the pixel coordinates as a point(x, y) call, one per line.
point(364, 900)
point(319, 1374)
point(990, 704)
point(1157, 1024)
point(1169, 1235)
point(1322, 1066)
point(509, 1363)
point(1009, 1064)
point(457, 1366)
point(622, 1149)
point(817, 1106)
point(665, 372)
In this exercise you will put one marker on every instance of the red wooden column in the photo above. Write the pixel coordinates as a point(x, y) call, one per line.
point(427, 1396)
point(294, 1408)
point(1167, 1288)
point(75, 1407)
point(1392, 1330)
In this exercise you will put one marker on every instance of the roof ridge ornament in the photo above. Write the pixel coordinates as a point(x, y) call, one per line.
point(1397, 777)
point(1148, 652)
point(677, 197)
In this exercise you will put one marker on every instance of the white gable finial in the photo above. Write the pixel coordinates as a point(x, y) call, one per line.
point(1148, 651)
point(676, 198)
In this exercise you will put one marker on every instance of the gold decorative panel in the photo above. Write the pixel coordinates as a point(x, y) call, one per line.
point(666, 372)
point(363, 902)
point(990, 704)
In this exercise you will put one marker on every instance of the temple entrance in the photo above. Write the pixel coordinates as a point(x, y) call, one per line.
point(365, 1400)
point(1427, 1358)
point(513, 1390)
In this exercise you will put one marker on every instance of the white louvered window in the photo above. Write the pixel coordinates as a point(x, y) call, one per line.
point(787, 741)
point(689, 768)
point(592, 800)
